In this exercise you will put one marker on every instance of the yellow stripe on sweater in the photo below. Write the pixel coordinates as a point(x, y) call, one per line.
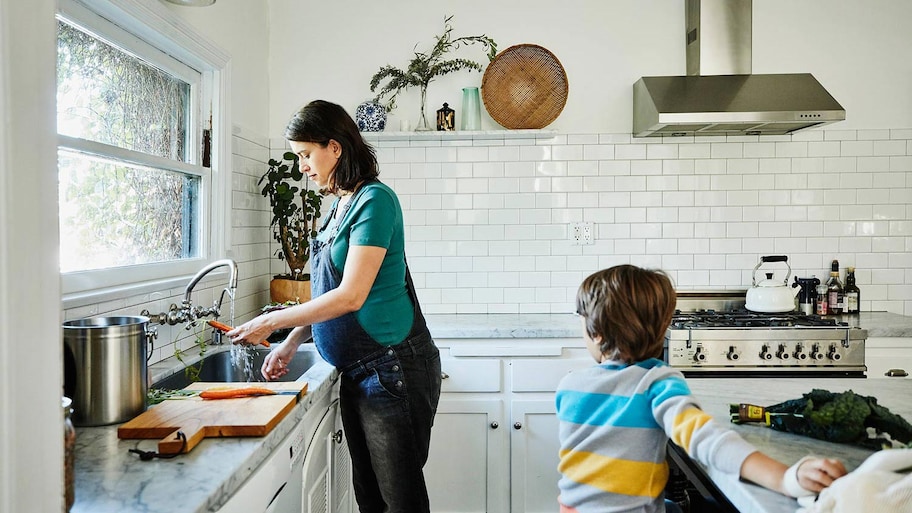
point(686, 423)
point(638, 478)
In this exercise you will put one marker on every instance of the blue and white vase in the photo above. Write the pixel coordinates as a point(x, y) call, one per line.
point(370, 116)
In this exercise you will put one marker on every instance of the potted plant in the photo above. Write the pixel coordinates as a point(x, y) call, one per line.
point(425, 67)
point(295, 211)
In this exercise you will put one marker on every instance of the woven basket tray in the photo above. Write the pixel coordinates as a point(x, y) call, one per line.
point(525, 86)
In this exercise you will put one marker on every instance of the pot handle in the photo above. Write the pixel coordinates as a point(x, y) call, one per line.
point(151, 333)
point(774, 258)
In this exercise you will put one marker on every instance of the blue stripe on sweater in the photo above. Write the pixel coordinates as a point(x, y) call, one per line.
point(666, 388)
point(605, 409)
point(615, 410)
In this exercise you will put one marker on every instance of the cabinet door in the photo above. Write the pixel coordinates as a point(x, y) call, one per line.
point(533, 456)
point(342, 493)
point(467, 467)
point(316, 477)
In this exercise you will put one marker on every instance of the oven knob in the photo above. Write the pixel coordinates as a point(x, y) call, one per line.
point(781, 354)
point(833, 355)
point(732, 354)
point(799, 353)
point(816, 354)
point(699, 356)
point(765, 354)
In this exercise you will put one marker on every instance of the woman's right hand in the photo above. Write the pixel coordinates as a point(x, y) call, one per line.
point(276, 363)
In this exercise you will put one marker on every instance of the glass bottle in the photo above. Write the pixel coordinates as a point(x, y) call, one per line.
point(835, 293)
point(69, 450)
point(852, 293)
point(822, 300)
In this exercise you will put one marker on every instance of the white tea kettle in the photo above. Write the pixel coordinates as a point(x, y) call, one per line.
point(769, 295)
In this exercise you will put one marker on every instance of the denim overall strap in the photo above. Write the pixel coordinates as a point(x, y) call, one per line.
point(342, 341)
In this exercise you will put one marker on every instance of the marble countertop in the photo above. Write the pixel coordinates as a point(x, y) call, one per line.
point(878, 324)
point(715, 395)
point(110, 479)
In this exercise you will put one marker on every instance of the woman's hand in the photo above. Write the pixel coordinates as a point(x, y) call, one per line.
point(252, 332)
point(276, 363)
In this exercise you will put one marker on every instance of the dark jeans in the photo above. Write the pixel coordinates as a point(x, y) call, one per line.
point(388, 406)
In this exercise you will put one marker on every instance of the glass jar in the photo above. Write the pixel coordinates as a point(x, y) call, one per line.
point(69, 449)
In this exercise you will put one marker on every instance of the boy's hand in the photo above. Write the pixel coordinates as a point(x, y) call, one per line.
point(812, 474)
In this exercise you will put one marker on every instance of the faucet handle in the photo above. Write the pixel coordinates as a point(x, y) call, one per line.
point(161, 318)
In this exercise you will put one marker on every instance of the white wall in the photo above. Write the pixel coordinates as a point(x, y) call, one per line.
point(31, 361)
point(858, 51)
point(240, 27)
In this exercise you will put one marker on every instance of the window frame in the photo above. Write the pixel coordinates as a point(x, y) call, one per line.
point(148, 29)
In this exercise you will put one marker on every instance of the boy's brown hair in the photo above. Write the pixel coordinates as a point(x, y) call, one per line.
point(630, 308)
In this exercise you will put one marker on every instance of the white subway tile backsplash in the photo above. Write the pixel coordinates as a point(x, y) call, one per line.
point(630, 151)
point(646, 167)
point(792, 149)
point(724, 150)
point(704, 208)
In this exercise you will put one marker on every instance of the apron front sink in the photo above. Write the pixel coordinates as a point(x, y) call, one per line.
point(219, 367)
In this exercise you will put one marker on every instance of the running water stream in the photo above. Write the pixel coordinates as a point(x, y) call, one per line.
point(242, 355)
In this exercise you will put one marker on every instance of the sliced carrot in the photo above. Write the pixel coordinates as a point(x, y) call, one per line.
point(231, 393)
point(224, 328)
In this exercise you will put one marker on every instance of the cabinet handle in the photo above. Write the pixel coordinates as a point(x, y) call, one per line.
point(444, 375)
point(517, 425)
point(495, 425)
point(337, 436)
point(896, 373)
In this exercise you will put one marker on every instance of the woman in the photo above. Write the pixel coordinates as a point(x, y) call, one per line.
point(365, 316)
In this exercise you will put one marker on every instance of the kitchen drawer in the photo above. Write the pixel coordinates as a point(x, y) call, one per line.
point(883, 354)
point(544, 374)
point(471, 374)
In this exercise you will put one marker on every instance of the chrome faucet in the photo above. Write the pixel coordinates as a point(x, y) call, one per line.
point(189, 314)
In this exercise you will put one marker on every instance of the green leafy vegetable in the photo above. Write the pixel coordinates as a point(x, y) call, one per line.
point(843, 417)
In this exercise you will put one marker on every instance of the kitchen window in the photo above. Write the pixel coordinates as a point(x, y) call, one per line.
point(142, 185)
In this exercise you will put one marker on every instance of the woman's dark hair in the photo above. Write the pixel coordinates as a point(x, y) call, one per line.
point(319, 122)
point(630, 308)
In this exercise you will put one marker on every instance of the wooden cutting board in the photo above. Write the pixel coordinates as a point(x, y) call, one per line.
point(193, 418)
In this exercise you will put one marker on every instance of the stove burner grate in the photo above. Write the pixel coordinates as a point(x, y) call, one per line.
point(744, 318)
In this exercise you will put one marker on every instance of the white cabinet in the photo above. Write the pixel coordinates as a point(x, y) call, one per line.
point(494, 446)
point(467, 466)
point(326, 471)
point(884, 354)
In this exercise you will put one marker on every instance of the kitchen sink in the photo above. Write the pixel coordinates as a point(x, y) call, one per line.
point(219, 367)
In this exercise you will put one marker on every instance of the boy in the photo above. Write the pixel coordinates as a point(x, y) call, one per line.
point(616, 417)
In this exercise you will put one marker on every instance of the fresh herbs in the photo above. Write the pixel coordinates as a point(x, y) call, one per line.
point(425, 67)
point(157, 395)
point(192, 372)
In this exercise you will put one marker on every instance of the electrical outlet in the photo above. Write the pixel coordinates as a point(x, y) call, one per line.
point(581, 234)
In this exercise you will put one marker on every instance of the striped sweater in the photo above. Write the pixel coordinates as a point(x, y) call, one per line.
point(615, 419)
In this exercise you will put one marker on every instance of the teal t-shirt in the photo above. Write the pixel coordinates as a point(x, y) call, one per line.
point(375, 219)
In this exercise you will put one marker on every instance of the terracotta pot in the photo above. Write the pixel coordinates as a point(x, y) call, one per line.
point(282, 290)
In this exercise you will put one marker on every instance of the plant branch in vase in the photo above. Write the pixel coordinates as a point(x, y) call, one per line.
point(295, 211)
point(423, 68)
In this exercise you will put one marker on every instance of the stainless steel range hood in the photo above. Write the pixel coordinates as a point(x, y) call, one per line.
point(719, 95)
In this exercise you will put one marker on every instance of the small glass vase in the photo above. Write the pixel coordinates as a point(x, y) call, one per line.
point(423, 125)
point(471, 109)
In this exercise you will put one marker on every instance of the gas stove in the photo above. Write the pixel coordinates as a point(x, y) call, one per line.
point(712, 334)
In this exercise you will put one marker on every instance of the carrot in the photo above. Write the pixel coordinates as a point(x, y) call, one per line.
point(224, 328)
point(231, 393)
point(220, 326)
